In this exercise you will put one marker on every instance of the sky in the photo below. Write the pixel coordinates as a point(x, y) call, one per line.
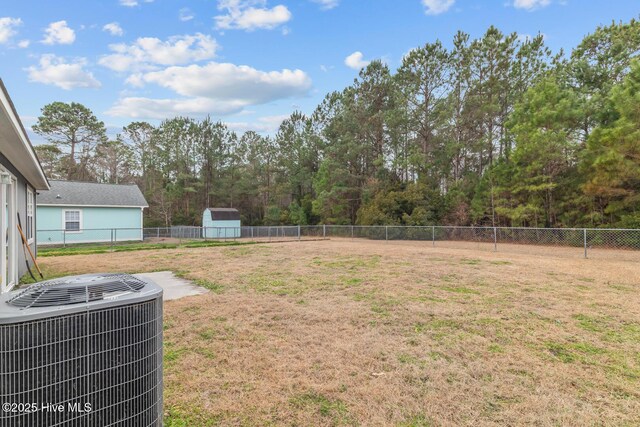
point(248, 63)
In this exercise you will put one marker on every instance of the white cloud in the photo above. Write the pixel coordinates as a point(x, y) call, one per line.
point(53, 70)
point(147, 53)
point(250, 15)
point(135, 80)
point(327, 4)
point(133, 3)
point(226, 81)
point(530, 4)
point(59, 33)
point(23, 44)
point(114, 29)
point(148, 108)
point(268, 124)
point(214, 88)
point(356, 61)
point(186, 14)
point(8, 28)
point(436, 7)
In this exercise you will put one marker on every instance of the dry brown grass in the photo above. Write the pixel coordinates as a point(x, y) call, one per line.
point(398, 333)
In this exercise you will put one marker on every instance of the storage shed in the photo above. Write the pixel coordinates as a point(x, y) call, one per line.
point(221, 223)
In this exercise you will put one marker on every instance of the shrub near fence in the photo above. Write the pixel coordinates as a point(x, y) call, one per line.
point(583, 239)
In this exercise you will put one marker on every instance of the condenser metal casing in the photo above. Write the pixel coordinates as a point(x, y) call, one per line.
point(82, 351)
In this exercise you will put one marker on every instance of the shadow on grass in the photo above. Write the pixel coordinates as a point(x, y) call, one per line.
point(102, 249)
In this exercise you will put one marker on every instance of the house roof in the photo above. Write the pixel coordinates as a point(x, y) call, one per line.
point(224, 214)
point(75, 193)
point(15, 144)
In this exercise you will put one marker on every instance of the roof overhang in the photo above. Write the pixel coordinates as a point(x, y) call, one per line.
point(15, 144)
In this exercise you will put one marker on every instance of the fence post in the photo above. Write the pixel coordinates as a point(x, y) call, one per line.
point(433, 235)
point(585, 243)
point(386, 232)
point(64, 238)
point(352, 231)
point(112, 239)
point(298, 231)
point(252, 232)
point(324, 231)
point(495, 239)
point(269, 232)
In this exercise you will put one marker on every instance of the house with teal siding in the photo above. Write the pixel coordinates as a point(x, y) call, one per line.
point(88, 212)
point(221, 223)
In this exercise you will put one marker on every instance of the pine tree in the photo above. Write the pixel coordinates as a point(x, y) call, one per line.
point(613, 155)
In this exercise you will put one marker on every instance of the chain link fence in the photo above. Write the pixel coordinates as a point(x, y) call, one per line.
point(584, 242)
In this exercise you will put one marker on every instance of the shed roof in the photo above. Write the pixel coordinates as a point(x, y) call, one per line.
point(75, 193)
point(224, 214)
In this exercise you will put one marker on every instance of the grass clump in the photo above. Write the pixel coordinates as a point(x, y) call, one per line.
point(350, 263)
point(417, 421)
point(333, 409)
point(216, 288)
point(421, 327)
point(576, 352)
point(609, 329)
point(172, 354)
point(460, 290)
point(270, 284)
point(175, 416)
point(207, 334)
point(496, 348)
point(352, 281)
point(243, 251)
point(560, 352)
point(501, 262)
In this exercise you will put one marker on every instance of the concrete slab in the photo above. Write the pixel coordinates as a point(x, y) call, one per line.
point(174, 287)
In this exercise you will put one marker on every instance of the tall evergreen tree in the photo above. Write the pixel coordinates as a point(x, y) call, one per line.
point(613, 156)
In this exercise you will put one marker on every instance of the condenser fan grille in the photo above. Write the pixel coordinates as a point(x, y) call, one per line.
point(77, 290)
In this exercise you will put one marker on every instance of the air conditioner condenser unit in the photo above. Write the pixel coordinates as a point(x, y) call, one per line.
point(82, 351)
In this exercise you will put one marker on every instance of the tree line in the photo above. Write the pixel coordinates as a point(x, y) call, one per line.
point(490, 131)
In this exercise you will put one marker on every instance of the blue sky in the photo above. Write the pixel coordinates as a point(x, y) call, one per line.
point(248, 63)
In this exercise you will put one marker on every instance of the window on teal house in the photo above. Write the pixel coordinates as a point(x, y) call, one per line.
point(72, 220)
